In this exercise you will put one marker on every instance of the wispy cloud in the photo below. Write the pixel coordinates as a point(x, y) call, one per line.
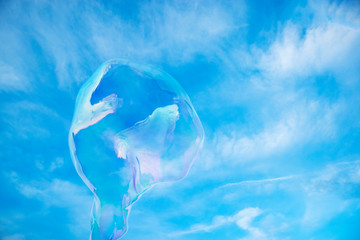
point(304, 123)
point(330, 192)
point(23, 123)
point(242, 219)
point(11, 80)
point(323, 48)
point(312, 199)
point(57, 163)
point(325, 193)
point(174, 32)
point(76, 200)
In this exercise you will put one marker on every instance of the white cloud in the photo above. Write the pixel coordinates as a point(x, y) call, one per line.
point(279, 100)
point(266, 76)
point(242, 219)
point(306, 122)
point(324, 47)
point(344, 13)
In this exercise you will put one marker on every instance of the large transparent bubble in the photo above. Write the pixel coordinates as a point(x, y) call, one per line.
point(133, 126)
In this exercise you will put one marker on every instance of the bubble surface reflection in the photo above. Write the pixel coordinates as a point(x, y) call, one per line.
point(133, 126)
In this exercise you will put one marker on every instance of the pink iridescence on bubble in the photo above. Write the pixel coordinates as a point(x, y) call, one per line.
point(133, 126)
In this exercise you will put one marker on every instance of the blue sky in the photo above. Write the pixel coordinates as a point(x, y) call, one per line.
point(275, 84)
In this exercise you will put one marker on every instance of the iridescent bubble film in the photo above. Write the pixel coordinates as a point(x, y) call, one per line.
point(133, 126)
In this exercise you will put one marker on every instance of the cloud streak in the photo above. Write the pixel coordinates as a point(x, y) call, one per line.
point(261, 181)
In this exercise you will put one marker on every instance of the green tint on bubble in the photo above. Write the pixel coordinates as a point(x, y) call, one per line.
point(133, 126)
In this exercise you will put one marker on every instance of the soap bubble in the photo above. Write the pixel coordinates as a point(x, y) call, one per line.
point(133, 126)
